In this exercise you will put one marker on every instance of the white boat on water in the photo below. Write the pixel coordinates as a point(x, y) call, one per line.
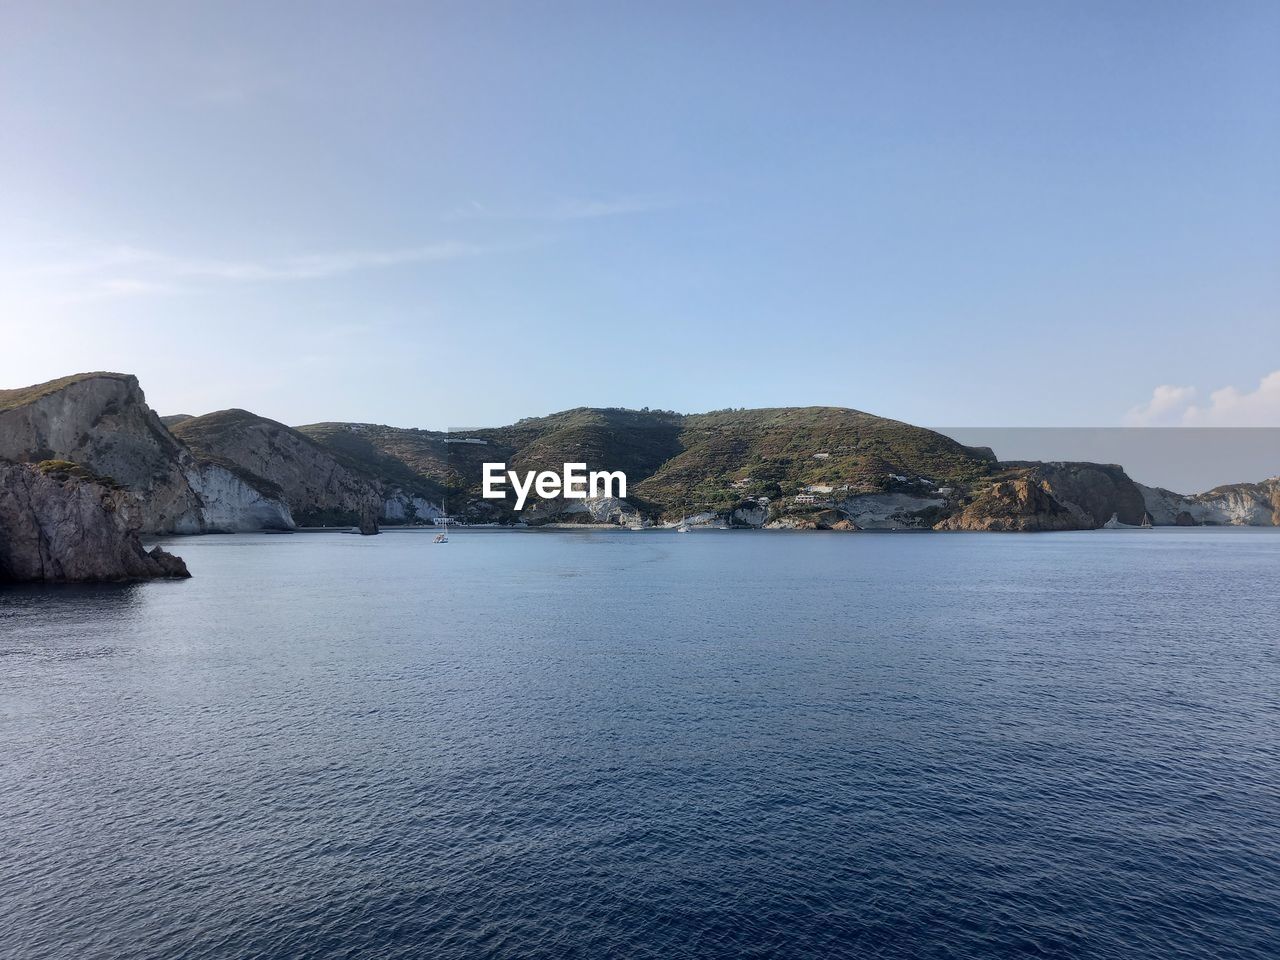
point(1115, 524)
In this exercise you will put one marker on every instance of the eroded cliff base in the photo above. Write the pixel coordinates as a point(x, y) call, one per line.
point(59, 524)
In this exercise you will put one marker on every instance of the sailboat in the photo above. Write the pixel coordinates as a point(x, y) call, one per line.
point(1115, 524)
point(684, 524)
point(443, 520)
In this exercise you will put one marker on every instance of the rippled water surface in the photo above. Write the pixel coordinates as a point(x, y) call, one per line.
point(650, 745)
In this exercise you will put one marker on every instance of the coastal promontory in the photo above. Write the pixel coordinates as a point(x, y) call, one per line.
point(60, 523)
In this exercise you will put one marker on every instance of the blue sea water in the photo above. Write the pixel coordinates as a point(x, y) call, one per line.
point(588, 744)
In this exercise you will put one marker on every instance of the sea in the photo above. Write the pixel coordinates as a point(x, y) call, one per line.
point(547, 744)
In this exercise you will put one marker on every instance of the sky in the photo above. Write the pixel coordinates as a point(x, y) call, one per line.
point(451, 214)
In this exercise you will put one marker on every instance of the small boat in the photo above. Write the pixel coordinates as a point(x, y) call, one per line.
point(443, 521)
point(1115, 524)
point(636, 526)
point(684, 525)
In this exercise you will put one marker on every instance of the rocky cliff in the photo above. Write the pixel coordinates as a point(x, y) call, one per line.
point(1098, 491)
point(1237, 504)
point(101, 422)
point(1047, 496)
point(289, 466)
point(57, 523)
point(802, 467)
point(1022, 504)
point(282, 463)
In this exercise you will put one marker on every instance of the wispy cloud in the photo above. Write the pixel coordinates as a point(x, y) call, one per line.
point(1227, 407)
point(231, 80)
point(77, 273)
point(569, 209)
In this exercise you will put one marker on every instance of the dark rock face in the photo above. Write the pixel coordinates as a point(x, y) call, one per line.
point(1021, 504)
point(62, 528)
point(1099, 490)
point(168, 565)
point(369, 521)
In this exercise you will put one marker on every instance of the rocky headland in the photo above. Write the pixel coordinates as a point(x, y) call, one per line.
point(128, 470)
point(101, 421)
point(60, 524)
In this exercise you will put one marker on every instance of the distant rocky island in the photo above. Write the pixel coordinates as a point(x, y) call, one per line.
point(87, 468)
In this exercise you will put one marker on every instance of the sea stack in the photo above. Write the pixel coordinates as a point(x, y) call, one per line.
point(58, 523)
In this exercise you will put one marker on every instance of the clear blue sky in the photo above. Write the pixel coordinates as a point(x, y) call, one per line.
point(442, 214)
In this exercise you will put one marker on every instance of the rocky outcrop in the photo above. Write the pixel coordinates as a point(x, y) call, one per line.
point(892, 511)
point(403, 507)
point(279, 461)
point(1050, 496)
point(749, 514)
point(589, 510)
point(1098, 490)
point(290, 467)
point(101, 421)
point(792, 522)
point(1021, 504)
point(58, 526)
point(1238, 504)
point(229, 504)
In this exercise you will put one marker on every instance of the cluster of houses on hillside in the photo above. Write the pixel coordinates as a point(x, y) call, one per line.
point(813, 492)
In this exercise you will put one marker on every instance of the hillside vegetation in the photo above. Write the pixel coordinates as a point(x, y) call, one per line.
point(13, 398)
point(789, 467)
point(673, 462)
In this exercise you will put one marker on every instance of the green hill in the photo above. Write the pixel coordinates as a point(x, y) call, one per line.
point(673, 462)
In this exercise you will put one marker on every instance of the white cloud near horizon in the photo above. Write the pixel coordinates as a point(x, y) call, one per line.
point(1227, 407)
